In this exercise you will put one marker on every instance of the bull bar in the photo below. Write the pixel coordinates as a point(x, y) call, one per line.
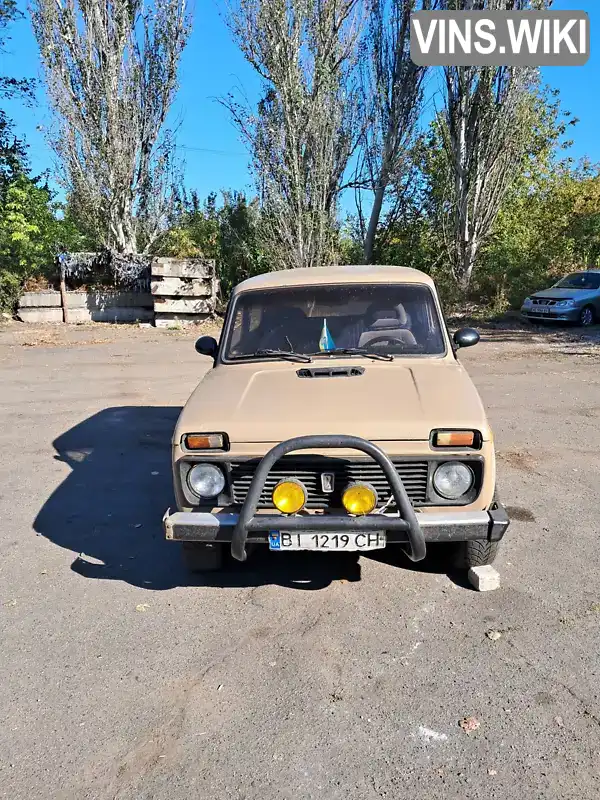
point(409, 529)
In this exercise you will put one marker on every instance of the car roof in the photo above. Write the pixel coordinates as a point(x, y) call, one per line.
point(314, 276)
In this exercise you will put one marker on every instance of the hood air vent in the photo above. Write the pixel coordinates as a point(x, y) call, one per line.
point(330, 372)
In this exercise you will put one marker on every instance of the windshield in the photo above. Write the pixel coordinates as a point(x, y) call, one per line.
point(398, 319)
point(580, 280)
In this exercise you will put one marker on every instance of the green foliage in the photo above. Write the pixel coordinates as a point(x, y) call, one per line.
point(194, 233)
point(543, 232)
point(31, 231)
point(241, 250)
point(12, 153)
point(229, 233)
point(178, 243)
point(30, 235)
point(22, 251)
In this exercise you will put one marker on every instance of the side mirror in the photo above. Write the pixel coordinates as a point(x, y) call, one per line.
point(466, 337)
point(206, 346)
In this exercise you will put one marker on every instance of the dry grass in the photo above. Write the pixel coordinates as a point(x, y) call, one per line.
point(57, 334)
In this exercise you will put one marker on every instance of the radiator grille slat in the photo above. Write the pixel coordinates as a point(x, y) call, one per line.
point(309, 470)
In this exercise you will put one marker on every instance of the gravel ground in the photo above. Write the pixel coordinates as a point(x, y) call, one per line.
point(310, 677)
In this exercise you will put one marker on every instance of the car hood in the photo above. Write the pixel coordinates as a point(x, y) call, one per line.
point(388, 401)
point(565, 294)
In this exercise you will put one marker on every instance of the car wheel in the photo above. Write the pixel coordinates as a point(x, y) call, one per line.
point(587, 316)
point(476, 553)
point(200, 557)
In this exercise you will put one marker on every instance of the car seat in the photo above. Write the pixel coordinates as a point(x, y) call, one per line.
point(389, 322)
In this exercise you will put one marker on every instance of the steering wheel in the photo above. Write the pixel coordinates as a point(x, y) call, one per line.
point(389, 339)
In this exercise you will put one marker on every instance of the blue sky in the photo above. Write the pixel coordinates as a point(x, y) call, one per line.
point(212, 66)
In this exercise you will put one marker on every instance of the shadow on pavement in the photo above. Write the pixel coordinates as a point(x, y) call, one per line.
point(438, 561)
point(110, 509)
point(111, 505)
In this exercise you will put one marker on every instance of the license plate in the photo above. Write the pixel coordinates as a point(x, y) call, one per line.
point(541, 309)
point(283, 540)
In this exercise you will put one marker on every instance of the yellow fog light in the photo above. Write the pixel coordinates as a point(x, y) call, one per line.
point(289, 496)
point(359, 498)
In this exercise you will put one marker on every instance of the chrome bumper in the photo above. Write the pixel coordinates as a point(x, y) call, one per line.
point(442, 526)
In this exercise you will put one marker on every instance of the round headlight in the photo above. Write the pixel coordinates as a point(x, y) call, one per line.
point(206, 480)
point(359, 498)
point(452, 479)
point(289, 497)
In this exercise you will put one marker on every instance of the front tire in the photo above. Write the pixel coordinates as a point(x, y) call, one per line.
point(587, 316)
point(476, 553)
point(201, 557)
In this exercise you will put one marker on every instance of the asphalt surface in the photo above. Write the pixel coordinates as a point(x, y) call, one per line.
point(308, 676)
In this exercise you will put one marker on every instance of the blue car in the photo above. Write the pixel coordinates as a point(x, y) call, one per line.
point(575, 298)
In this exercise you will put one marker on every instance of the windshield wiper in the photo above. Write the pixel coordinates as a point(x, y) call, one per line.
point(290, 355)
point(355, 351)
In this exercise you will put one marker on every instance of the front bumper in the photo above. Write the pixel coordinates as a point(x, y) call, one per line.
point(443, 526)
point(558, 315)
point(405, 527)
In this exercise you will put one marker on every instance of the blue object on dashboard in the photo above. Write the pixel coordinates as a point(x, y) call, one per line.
point(326, 342)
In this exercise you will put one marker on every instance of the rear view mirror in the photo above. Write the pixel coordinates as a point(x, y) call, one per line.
point(206, 346)
point(466, 337)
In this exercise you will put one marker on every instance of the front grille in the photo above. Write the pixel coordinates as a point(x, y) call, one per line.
point(543, 301)
point(308, 470)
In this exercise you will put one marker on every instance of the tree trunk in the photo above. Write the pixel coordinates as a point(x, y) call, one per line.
point(468, 255)
point(63, 294)
point(373, 223)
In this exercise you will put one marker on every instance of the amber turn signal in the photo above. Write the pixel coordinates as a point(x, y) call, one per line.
point(454, 439)
point(205, 441)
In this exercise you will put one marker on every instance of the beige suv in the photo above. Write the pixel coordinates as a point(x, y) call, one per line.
point(336, 417)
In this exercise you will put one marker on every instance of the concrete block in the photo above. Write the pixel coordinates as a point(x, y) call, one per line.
point(101, 300)
point(40, 314)
point(181, 287)
point(484, 579)
point(178, 320)
point(183, 305)
point(182, 268)
point(111, 314)
point(115, 314)
point(39, 299)
point(91, 300)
